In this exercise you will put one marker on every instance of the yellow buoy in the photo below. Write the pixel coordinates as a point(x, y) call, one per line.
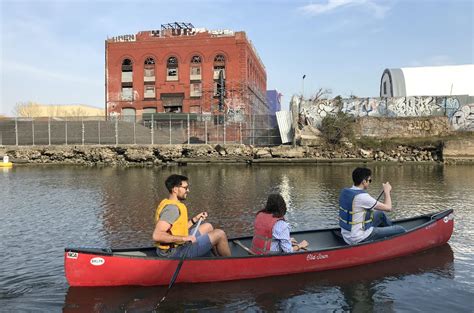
point(6, 162)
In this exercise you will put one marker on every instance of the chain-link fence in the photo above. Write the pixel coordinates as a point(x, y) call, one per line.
point(159, 128)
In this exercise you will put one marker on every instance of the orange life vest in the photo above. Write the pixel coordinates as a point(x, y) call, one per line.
point(179, 227)
point(262, 236)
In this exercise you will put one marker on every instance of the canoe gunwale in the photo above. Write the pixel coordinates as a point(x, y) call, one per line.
point(433, 218)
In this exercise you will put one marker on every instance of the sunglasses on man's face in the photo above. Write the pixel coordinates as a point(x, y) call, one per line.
point(368, 180)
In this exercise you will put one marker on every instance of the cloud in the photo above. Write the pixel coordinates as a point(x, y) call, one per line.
point(378, 10)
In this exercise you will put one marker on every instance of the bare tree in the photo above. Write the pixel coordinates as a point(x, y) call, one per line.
point(321, 94)
point(27, 109)
point(76, 112)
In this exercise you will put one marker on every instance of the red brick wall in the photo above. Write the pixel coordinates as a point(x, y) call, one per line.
point(244, 72)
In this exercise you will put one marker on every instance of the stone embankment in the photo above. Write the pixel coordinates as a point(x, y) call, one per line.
point(129, 155)
point(459, 151)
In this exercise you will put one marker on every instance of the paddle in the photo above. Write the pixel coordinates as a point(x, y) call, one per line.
point(376, 200)
point(178, 268)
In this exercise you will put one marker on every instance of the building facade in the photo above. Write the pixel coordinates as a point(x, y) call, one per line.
point(444, 80)
point(274, 101)
point(183, 69)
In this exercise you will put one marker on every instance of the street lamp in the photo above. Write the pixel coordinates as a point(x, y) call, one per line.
point(302, 88)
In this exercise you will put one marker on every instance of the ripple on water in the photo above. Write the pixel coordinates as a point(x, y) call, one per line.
point(412, 298)
point(54, 207)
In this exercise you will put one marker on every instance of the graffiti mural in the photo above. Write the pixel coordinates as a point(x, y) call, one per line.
point(235, 109)
point(463, 118)
point(459, 109)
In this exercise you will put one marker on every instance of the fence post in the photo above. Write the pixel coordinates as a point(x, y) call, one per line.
point(33, 130)
point(205, 130)
point(217, 128)
point(253, 129)
point(134, 133)
point(225, 130)
point(268, 130)
point(170, 128)
point(188, 129)
point(49, 131)
point(152, 129)
point(445, 106)
point(83, 130)
point(98, 130)
point(65, 133)
point(16, 131)
point(116, 131)
point(240, 132)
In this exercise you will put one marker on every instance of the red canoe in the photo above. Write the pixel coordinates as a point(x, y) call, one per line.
point(327, 251)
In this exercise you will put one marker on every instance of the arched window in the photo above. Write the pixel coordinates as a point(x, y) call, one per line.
point(195, 70)
point(127, 80)
point(149, 71)
point(149, 79)
point(219, 76)
point(219, 65)
point(219, 59)
point(127, 65)
point(172, 69)
point(196, 59)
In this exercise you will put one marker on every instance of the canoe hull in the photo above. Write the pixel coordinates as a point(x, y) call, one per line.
point(84, 268)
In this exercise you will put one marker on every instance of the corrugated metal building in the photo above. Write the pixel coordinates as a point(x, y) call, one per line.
point(428, 81)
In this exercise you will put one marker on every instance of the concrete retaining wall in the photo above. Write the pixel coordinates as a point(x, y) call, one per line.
point(402, 127)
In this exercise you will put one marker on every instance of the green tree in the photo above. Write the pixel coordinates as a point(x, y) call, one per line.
point(334, 127)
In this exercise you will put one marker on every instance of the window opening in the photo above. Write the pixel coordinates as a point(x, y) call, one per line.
point(172, 69)
point(149, 69)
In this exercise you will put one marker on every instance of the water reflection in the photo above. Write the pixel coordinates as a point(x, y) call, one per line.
point(44, 209)
point(349, 289)
point(233, 194)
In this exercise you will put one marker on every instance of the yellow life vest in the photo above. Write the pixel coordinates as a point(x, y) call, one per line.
point(179, 227)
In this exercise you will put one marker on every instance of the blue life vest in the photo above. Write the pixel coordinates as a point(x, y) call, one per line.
point(346, 210)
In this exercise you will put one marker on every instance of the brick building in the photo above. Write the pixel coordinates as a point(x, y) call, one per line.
point(180, 68)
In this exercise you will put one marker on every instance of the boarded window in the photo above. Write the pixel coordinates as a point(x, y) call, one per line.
point(128, 115)
point(196, 90)
point(149, 91)
point(127, 94)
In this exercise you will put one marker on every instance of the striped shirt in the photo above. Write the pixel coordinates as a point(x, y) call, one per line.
point(281, 241)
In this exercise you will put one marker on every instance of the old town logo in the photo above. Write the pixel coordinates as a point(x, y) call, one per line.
point(319, 256)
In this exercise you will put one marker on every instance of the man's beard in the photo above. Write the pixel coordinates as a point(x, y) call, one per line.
point(181, 198)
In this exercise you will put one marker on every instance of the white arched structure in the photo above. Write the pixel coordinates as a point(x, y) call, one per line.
point(428, 81)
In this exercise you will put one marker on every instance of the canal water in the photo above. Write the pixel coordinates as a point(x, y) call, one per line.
point(44, 209)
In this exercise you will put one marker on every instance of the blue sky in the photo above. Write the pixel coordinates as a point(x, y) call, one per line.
point(52, 52)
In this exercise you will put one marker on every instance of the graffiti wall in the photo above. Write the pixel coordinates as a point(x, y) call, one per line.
point(459, 109)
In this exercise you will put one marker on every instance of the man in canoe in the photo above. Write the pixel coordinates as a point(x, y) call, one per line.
point(361, 217)
point(173, 228)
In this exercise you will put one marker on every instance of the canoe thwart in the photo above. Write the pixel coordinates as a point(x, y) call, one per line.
point(240, 244)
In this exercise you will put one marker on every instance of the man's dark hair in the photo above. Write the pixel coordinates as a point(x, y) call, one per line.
point(359, 174)
point(276, 205)
point(174, 180)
